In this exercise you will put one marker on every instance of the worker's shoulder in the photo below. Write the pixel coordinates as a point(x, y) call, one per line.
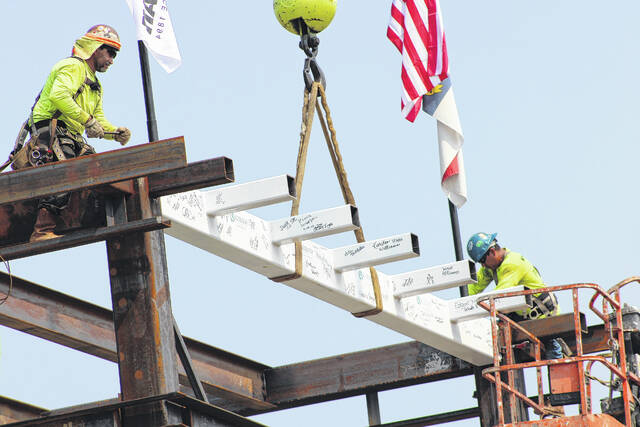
point(515, 258)
point(70, 63)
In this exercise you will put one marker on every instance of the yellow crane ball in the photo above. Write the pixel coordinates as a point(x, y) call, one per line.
point(317, 14)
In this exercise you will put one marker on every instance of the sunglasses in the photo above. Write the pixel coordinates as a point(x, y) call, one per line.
point(484, 257)
point(112, 52)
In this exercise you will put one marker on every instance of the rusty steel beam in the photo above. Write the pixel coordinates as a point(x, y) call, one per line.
point(594, 340)
point(431, 420)
point(92, 171)
point(16, 219)
point(57, 317)
point(549, 327)
point(181, 409)
point(230, 381)
point(194, 176)
point(82, 237)
point(357, 373)
point(12, 411)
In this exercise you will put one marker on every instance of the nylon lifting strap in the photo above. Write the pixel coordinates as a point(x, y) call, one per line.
point(309, 108)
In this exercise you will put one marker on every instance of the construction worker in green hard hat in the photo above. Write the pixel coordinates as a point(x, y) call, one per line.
point(508, 269)
point(69, 105)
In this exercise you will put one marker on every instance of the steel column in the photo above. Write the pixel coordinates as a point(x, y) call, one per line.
point(373, 408)
point(143, 319)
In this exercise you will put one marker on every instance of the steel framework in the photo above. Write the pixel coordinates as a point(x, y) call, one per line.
point(168, 379)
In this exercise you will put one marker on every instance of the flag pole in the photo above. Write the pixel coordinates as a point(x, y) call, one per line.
point(152, 124)
point(483, 392)
point(457, 241)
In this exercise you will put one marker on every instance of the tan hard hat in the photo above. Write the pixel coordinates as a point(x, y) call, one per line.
point(105, 34)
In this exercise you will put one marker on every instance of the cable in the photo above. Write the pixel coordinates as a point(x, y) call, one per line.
point(6, 297)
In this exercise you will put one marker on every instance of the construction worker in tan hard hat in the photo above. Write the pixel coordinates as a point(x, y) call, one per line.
point(69, 105)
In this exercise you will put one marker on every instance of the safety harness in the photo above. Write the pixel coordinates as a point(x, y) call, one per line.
point(545, 304)
point(26, 155)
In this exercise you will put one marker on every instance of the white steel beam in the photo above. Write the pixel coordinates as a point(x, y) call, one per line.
point(376, 252)
point(314, 224)
point(251, 195)
point(467, 308)
point(433, 279)
point(246, 240)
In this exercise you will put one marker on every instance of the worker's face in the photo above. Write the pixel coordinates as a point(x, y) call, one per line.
point(491, 259)
point(103, 58)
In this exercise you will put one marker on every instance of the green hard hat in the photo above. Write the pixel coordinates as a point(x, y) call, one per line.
point(479, 244)
point(317, 14)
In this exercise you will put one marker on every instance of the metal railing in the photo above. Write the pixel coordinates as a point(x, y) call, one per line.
point(616, 343)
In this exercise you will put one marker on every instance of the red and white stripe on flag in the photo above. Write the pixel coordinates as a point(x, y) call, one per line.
point(416, 30)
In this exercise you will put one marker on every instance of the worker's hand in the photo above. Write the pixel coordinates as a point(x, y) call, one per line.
point(94, 129)
point(123, 135)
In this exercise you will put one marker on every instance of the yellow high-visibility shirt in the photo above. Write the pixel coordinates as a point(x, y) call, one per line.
point(515, 270)
point(57, 94)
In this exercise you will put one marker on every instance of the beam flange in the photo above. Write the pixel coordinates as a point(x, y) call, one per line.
point(433, 279)
point(194, 176)
point(315, 224)
point(251, 195)
point(376, 252)
point(82, 237)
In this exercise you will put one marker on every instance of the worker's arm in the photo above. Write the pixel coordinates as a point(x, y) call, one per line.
point(510, 275)
point(68, 80)
point(484, 278)
point(98, 114)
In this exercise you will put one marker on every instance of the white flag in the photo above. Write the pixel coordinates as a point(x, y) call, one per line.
point(441, 104)
point(154, 28)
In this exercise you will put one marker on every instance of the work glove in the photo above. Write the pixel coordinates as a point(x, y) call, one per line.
point(123, 135)
point(94, 129)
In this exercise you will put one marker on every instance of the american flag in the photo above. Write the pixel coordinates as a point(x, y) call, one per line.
point(416, 30)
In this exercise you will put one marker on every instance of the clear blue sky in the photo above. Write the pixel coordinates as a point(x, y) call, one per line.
point(546, 91)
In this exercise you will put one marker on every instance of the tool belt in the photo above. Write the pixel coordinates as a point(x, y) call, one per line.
point(545, 304)
point(49, 143)
point(36, 151)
